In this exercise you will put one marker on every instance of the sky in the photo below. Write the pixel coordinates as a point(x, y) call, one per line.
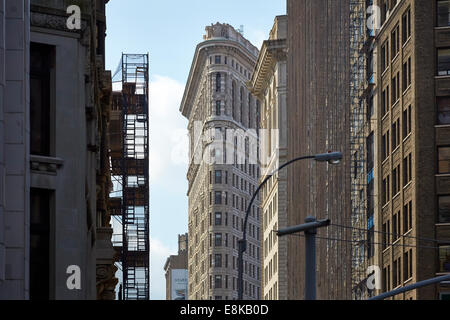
point(169, 30)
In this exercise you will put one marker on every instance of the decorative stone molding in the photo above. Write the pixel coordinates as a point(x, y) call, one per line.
point(54, 22)
point(45, 165)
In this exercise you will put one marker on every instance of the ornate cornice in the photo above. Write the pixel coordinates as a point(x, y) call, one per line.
point(272, 51)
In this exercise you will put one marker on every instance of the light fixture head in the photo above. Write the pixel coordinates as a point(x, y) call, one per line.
point(331, 157)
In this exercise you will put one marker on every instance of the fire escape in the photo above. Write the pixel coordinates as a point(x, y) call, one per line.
point(130, 173)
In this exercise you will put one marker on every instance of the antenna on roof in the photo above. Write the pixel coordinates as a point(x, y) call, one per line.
point(241, 30)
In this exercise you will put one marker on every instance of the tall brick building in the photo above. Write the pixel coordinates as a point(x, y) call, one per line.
point(407, 107)
point(318, 121)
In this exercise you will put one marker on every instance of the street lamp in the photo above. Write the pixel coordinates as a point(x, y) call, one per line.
point(331, 157)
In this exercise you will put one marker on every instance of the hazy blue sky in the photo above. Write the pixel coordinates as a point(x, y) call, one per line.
point(169, 31)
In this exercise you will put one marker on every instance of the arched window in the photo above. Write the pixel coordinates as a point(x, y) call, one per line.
point(218, 82)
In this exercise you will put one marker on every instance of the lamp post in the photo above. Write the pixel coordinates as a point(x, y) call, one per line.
point(332, 158)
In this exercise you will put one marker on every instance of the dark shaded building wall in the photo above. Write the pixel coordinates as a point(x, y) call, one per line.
point(424, 70)
point(318, 121)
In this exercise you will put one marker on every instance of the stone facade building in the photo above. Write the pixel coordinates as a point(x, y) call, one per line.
point(178, 263)
point(318, 122)
point(54, 166)
point(268, 84)
point(222, 179)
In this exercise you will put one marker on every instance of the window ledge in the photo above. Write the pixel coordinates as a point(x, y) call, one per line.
point(443, 175)
point(406, 42)
point(407, 185)
point(408, 281)
point(396, 195)
point(407, 137)
point(443, 224)
point(396, 149)
point(396, 56)
point(396, 103)
point(407, 89)
point(406, 234)
point(45, 165)
point(442, 126)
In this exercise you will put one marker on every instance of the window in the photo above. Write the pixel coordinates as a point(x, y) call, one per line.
point(407, 169)
point(406, 26)
point(385, 101)
point(407, 217)
point(385, 56)
point(218, 59)
point(233, 100)
point(218, 284)
point(218, 260)
point(218, 177)
point(218, 82)
point(444, 209)
point(443, 106)
point(371, 242)
point(385, 194)
point(407, 122)
point(386, 234)
point(369, 108)
point(444, 258)
point(395, 47)
point(385, 146)
point(396, 180)
point(218, 240)
point(39, 244)
point(397, 273)
point(218, 219)
point(369, 67)
point(407, 265)
point(218, 197)
point(444, 159)
point(443, 13)
point(443, 62)
point(384, 11)
point(42, 65)
point(407, 74)
point(218, 107)
point(395, 134)
point(396, 227)
point(396, 88)
point(387, 278)
point(370, 151)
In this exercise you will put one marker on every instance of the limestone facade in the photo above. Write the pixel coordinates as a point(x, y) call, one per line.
point(54, 173)
point(221, 181)
point(269, 86)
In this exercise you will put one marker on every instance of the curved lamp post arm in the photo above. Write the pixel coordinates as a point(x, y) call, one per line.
point(333, 158)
